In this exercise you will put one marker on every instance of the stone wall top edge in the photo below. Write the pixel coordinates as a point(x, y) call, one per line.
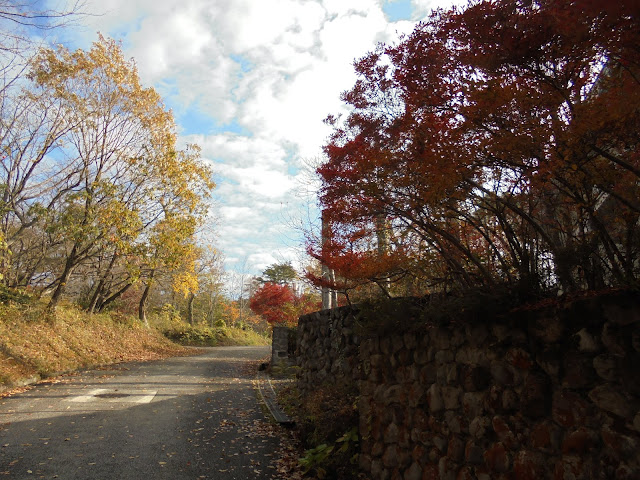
point(567, 308)
point(328, 312)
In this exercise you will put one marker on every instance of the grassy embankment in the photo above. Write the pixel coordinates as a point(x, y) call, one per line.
point(34, 345)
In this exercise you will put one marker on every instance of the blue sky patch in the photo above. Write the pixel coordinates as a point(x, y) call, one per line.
point(245, 64)
point(398, 10)
point(193, 121)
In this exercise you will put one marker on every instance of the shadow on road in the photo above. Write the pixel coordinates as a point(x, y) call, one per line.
point(204, 421)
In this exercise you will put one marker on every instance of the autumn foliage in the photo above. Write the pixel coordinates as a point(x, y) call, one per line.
point(96, 197)
point(279, 304)
point(494, 144)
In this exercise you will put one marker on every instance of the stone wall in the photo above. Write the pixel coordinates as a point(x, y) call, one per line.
point(549, 393)
point(327, 349)
point(281, 354)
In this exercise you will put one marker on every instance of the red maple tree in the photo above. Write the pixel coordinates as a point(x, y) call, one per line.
point(494, 144)
point(279, 304)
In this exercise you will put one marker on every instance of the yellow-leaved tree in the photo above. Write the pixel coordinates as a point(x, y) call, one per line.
point(110, 196)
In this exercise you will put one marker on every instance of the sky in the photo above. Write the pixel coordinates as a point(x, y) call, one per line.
point(250, 82)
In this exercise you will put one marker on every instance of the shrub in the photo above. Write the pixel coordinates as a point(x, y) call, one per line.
point(327, 423)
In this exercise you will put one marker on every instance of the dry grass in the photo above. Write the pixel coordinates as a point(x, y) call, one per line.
point(33, 344)
point(202, 335)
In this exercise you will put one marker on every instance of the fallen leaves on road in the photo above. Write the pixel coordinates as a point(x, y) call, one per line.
point(15, 391)
point(245, 442)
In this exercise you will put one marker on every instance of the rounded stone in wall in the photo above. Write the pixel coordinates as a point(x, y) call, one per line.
point(398, 457)
point(549, 361)
point(606, 366)
point(636, 422)
point(473, 453)
point(440, 338)
point(414, 472)
point(474, 378)
point(613, 337)
point(477, 333)
point(629, 374)
point(519, 358)
point(609, 398)
point(510, 400)
point(622, 311)
point(497, 458)
point(434, 399)
point(545, 436)
point(502, 374)
point(621, 445)
point(390, 434)
point(528, 465)
point(548, 329)
point(472, 404)
point(579, 441)
point(455, 449)
point(585, 341)
point(479, 427)
point(410, 341)
point(451, 397)
point(569, 409)
point(635, 339)
point(535, 398)
point(447, 469)
point(420, 356)
point(471, 355)
point(444, 356)
point(578, 370)
point(625, 472)
point(397, 343)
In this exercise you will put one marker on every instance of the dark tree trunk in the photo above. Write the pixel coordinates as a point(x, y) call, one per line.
point(62, 282)
point(142, 309)
point(113, 297)
point(97, 294)
point(190, 308)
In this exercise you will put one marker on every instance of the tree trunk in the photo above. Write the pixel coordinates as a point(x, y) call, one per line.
point(99, 288)
point(4, 256)
point(142, 311)
point(62, 282)
point(190, 308)
point(329, 296)
point(382, 237)
point(113, 297)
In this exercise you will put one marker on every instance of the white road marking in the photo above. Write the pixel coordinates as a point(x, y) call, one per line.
point(89, 396)
point(123, 396)
point(147, 398)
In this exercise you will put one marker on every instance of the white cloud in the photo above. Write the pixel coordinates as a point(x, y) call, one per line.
point(239, 150)
point(274, 69)
point(259, 180)
point(238, 215)
point(261, 260)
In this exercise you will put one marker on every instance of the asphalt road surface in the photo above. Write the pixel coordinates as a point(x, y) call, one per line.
point(182, 418)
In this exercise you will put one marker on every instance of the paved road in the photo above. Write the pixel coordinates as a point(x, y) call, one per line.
point(182, 418)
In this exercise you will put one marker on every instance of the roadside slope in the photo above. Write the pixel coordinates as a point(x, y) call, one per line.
point(35, 346)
